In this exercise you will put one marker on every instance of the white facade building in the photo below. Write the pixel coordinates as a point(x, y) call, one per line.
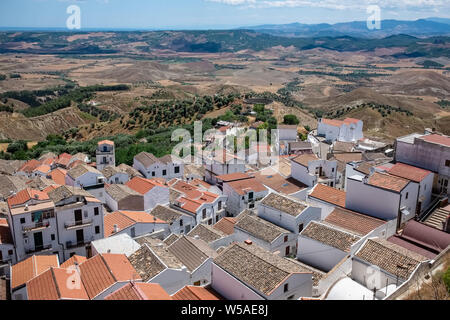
point(153, 167)
point(310, 170)
point(348, 130)
point(105, 154)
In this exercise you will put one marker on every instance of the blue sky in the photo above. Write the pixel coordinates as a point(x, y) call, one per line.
point(143, 14)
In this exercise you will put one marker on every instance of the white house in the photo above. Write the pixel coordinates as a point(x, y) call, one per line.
point(245, 271)
point(326, 198)
point(122, 197)
point(205, 206)
point(154, 193)
point(187, 261)
point(179, 223)
point(114, 175)
point(383, 196)
point(105, 154)
point(243, 194)
point(88, 178)
point(33, 223)
point(287, 133)
point(215, 238)
point(323, 246)
point(221, 163)
point(153, 167)
point(79, 218)
point(430, 152)
point(133, 223)
point(347, 130)
point(424, 179)
point(310, 170)
point(265, 234)
point(7, 250)
point(287, 213)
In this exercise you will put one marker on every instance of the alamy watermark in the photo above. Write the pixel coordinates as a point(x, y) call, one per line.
point(374, 20)
point(73, 22)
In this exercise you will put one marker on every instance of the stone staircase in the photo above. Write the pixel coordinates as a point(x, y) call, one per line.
point(437, 219)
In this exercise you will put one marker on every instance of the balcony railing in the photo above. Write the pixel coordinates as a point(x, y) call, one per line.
point(78, 224)
point(35, 226)
point(38, 249)
point(76, 244)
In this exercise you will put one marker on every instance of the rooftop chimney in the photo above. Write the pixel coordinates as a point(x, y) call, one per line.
point(248, 242)
point(116, 228)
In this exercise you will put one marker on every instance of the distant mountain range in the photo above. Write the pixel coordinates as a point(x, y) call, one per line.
point(421, 27)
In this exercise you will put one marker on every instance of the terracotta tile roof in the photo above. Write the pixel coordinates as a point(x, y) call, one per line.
point(304, 159)
point(256, 267)
point(59, 176)
point(284, 204)
point(387, 181)
point(329, 194)
point(53, 285)
point(189, 190)
point(332, 122)
point(277, 182)
point(206, 233)
point(29, 166)
point(103, 270)
point(64, 159)
point(75, 259)
point(42, 168)
point(357, 223)
point(27, 269)
point(348, 157)
point(390, 257)
point(197, 293)
point(437, 138)
point(242, 187)
point(106, 142)
point(226, 225)
point(5, 232)
point(343, 146)
point(142, 217)
point(142, 185)
point(351, 120)
point(140, 291)
point(259, 228)
point(408, 172)
point(26, 195)
point(330, 236)
point(233, 176)
point(81, 169)
point(116, 218)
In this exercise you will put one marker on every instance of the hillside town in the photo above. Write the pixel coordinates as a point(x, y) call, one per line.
point(334, 217)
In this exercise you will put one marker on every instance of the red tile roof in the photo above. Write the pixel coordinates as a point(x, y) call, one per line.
point(5, 232)
point(27, 269)
point(242, 187)
point(116, 218)
point(26, 195)
point(44, 168)
point(226, 225)
point(140, 291)
point(54, 285)
point(59, 176)
point(437, 138)
point(305, 158)
point(102, 271)
point(193, 293)
point(329, 194)
point(354, 222)
point(142, 185)
point(233, 176)
point(387, 181)
point(106, 142)
point(75, 259)
point(29, 166)
point(339, 123)
point(408, 172)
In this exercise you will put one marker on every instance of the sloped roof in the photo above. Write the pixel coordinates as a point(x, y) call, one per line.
point(260, 228)
point(357, 223)
point(409, 172)
point(225, 225)
point(191, 252)
point(284, 204)
point(29, 268)
point(139, 291)
point(193, 293)
point(206, 233)
point(329, 194)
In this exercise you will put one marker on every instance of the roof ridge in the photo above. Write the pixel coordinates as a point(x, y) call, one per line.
point(127, 217)
point(58, 292)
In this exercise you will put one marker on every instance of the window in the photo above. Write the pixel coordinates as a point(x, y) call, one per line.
point(286, 287)
point(300, 227)
point(251, 206)
point(22, 220)
point(53, 237)
point(153, 173)
point(96, 212)
point(250, 195)
point(72, 254)
point(447, 163)
point(288, 250)
point(220, 205)
point(133, 232)
point(204, 214)
point(10, 252)
point(181, 223)
point(286, 238)
point(332, 170)
point(407, 195)
point(210, 222)
point(177, 169)
point(164, 172)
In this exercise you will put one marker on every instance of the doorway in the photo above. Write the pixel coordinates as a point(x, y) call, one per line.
point(78, 217)
point(38, 241)
point(80, 236)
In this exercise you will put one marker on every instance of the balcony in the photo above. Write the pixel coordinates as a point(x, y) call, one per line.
point(77, 244)
point(35, 226)
point(72, 225)
point(47, 247)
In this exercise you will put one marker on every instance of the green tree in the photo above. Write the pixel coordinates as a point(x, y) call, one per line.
point(291, 119)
